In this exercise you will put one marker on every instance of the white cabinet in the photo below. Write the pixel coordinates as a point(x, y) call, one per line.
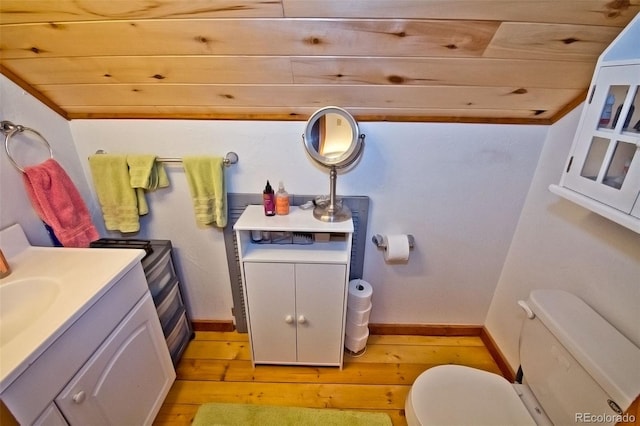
point(295, 294)
point(51, 417)
point(111, 366)
point(121, 382)
point(603, 169)
point(296, 311)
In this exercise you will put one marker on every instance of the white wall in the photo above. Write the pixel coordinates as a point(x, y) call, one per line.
point(458, 188)
point(561, 245)
point(23, 109)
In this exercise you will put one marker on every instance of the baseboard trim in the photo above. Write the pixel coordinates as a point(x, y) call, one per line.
point(213, 325)
point(497, 355)
point(425, 329)
point(449, 330)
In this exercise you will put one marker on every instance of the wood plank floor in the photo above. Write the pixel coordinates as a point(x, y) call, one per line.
point(216, 367)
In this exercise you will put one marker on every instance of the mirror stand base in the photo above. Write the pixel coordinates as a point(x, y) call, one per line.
point(328, 213)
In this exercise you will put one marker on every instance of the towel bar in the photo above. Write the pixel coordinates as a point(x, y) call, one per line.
point(229, 159)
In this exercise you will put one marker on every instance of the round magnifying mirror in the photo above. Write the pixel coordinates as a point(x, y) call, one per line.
point(332, 139)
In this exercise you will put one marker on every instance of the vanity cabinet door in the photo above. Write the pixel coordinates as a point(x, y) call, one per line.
point(605, 163)
point(51, 417)
point(271, 311)
point(126, 379)
point(320, 299)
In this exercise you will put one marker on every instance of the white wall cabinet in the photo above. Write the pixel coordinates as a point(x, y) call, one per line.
point(111, 367)
point(603, 169)
point(295, 294)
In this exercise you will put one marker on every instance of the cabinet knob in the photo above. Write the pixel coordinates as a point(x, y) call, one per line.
point(288, 319)
point(79, 397)
point(301, 319)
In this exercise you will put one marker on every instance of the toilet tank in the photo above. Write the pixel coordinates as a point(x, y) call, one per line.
point(579, 367)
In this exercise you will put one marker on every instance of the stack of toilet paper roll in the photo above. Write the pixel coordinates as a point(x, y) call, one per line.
point(358, 311)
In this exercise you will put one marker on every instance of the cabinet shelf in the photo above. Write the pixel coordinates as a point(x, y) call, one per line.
point(595, 206)
point(331, 252)
point(298, 220)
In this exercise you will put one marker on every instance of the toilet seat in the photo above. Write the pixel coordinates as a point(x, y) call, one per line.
point(459, 395)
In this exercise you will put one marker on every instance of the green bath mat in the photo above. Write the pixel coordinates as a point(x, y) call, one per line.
point(268, 415)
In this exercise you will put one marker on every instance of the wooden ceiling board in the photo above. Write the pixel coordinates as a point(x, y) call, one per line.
point(617, 13)
point(34, 11)
point(155, 69)
point(291, 37)
point(559, 42)
point(405, 60)
point(441, 72)
point(309, 96)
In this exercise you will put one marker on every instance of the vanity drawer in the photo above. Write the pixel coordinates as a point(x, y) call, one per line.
point(170, 305)
point(161, 275)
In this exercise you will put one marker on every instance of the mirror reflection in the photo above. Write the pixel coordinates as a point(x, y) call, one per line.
point(334, 135)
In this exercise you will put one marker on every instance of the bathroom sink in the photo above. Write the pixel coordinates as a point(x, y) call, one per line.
point(23, 302)
point(48, 290)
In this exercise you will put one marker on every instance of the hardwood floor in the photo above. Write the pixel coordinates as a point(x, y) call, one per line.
point(216, 367)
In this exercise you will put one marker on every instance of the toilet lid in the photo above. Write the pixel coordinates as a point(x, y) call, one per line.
point(458, 395)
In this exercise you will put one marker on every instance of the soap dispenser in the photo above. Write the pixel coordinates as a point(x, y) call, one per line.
point(282, 200)
point(268, 200)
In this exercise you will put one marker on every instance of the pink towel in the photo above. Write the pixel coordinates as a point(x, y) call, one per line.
point(58, 203)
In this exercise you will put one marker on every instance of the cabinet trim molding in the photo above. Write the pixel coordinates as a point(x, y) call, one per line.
point(610, 213)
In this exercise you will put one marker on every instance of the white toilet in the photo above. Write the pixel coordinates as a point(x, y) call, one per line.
point(577, 369)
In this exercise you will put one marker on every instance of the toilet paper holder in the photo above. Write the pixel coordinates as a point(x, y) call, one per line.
point(379, 242)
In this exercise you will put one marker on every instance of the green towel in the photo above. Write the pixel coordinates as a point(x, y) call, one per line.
point(145, 173)
point(205, 176)
point(117, 199)
point(230, 414)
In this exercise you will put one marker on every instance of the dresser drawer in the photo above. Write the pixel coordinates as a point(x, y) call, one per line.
point(170, 305)
point(161, 275)
point(179, 337)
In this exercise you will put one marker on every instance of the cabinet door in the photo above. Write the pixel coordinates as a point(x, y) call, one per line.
point(127, 378)
point(636, 208)
point(51, 417)
point(605, 164)
point(271, 311)
point(320, 307)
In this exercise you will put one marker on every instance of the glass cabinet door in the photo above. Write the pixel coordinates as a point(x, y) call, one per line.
point(606, 160)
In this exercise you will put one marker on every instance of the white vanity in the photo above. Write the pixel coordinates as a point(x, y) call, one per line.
point(295, 291)
point(82, 343)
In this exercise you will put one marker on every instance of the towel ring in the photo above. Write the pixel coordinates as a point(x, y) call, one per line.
point(9, 129)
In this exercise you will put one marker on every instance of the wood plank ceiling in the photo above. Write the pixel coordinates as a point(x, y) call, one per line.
point(509, 61)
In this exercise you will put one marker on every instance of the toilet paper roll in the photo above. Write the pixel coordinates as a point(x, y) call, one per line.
point(356, 344)
point(396, 248)
point(359, 297)
point(359, 316)
point(354, 329)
